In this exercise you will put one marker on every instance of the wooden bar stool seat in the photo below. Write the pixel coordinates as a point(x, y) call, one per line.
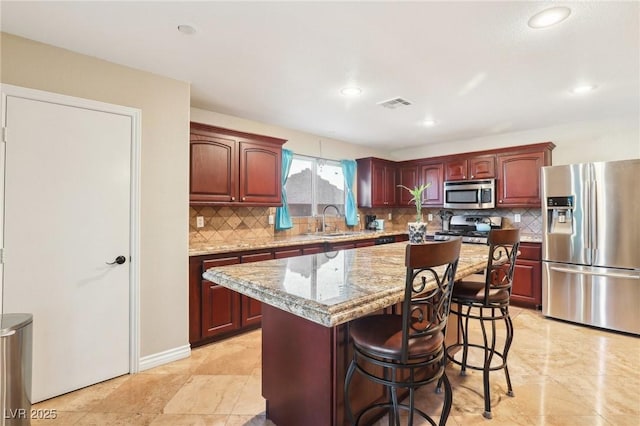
point(407, 351)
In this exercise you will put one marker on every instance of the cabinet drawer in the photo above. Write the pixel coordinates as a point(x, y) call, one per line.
point(281, 254)
point(313, 250)
point(256, 257)
point(530, 251)
point(212, 263)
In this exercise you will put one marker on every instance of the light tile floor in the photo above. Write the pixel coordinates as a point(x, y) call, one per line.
point(563, 375)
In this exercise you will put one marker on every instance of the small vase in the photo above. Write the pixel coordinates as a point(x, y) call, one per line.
point(417, 232)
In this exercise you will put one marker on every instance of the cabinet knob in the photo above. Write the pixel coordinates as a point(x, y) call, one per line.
point(471, 176)
point(244, 198)
point(501, 201)
point(233, 198)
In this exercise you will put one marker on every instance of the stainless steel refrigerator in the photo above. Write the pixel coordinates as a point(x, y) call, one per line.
point(591, 244)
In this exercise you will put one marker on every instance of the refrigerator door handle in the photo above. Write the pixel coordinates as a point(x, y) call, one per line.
point(594, 216)
point(602, 274)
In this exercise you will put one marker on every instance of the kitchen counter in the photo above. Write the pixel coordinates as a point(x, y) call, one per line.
point(530, 238)
point(308, 302)
point(236, 245)
point(335, 287)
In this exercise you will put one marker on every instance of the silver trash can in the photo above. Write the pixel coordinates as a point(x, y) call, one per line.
point(16, 341)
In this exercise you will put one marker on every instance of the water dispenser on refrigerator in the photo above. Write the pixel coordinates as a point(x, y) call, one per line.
point(560, 215)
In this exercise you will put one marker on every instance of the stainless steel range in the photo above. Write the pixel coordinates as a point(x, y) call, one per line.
point(466, 226)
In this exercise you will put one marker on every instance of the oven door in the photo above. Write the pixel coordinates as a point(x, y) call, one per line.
point(470, 194)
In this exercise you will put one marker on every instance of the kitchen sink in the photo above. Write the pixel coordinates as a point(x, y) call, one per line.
point(335, 234)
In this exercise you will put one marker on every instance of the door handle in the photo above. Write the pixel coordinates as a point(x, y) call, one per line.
point(119, 260)
point(599, 274)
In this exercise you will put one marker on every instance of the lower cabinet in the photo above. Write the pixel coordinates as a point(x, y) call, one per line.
point(216, 312)
point(527, 279)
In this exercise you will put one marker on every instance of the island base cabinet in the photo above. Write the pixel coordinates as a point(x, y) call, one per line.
point(304, 365)
point(303, 370)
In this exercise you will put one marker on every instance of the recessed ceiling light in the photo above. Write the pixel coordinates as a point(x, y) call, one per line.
point(429, 123)
point(351, 91)
point(585, 88)
point(549, 17)
point(186, 29)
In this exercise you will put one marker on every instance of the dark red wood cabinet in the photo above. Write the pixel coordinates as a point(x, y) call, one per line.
point(519, 178)
point(432, 173)
point(527, 280)
point(516, 170)
point(477, 167)
point(376, 183)
point(409, 176)
point(220, 307)
point(216, 312)
point(234, 168)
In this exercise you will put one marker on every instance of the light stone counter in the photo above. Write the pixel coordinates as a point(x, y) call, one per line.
point(198, 249)
point(335, 287)
point(530, 238)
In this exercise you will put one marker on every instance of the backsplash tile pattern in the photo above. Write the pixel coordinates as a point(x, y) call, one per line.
point(225, 223)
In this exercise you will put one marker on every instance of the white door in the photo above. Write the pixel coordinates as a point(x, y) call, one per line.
point(67, 213)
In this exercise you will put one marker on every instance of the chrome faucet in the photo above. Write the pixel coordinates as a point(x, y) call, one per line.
point(324, 211)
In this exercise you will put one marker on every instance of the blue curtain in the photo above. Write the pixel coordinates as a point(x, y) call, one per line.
point(283, 217)
point(350, 209)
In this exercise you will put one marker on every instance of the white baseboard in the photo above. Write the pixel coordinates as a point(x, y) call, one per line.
point(150, 361)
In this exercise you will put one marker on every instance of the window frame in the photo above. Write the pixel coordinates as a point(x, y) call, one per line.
point(314, 184)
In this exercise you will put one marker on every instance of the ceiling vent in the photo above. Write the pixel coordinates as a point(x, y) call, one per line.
point(394, 103)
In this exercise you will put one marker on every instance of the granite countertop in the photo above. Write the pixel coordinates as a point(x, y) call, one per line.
point(335, 287)
point(284, 241)
point(530, 238)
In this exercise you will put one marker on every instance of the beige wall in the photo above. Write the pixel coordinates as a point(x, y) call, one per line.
point(164, 168)
point(600, 140)
point(298, 142)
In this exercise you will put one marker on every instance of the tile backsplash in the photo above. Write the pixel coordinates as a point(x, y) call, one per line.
point(226, 223)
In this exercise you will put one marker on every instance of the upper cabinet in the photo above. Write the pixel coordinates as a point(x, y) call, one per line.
point(516, 170)
point(519, 175)
point(432, 173)
point(478, 167)
point(234, 168)
point(376, 182)
point(409, 176)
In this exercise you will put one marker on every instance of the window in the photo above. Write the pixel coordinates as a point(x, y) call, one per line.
point(312, 184)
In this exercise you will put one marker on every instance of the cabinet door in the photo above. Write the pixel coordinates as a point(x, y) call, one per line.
point(527, 283)
point(378, 187)
point(213, 169)
point(455, 169)
point(483, 167)
point(260, 171)
point(220, 309)
point(519, 179)
point(434, 174)
point(390, 186)
point(409, 177)
point(251, 311)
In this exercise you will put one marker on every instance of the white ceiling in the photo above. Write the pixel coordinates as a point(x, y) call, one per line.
point(474, 67)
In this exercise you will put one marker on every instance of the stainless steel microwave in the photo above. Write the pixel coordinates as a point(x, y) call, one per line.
point(470, 194)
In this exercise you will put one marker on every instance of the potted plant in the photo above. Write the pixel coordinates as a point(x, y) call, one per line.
point(417, 229)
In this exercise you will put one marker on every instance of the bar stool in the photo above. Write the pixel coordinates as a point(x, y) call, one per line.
point(409, 347)
point(488, 302)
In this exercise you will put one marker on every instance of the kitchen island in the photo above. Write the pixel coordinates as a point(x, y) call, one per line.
point(308, 303)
